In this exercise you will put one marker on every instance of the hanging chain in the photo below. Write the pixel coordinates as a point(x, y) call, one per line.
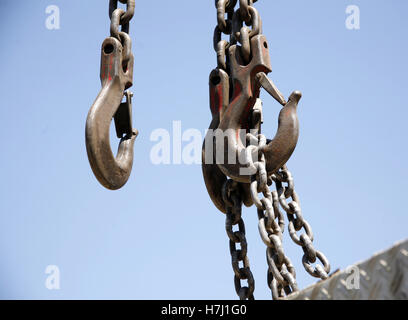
point(231, 195)
point(241, 26)
point(224, 26)
point(122, 18)
point(233, 218)
point(281, 272)
point(297, 222)
point(233, 26)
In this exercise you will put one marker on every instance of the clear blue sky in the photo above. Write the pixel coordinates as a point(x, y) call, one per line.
point(160, 237)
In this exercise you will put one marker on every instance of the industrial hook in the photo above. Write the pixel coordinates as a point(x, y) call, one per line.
point(214, 178)
point(247, 79)
point(116, 77)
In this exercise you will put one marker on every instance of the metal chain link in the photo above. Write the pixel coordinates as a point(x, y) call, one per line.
point(233, 26)
point(119, 17)
point(130, 10)
point(224, 26)
point(297, 222)
point(281, 273)
point(234, 218)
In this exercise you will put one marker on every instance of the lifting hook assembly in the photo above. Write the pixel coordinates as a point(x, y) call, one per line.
point(234, 92)
point(240, 164)
point(247, 81)
point(116, 76)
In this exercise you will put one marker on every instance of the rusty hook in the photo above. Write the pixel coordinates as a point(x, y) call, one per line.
point(116, 77)
point(214, 178)
point(247, 80)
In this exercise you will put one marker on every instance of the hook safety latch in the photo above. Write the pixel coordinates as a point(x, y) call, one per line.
point(116, 76)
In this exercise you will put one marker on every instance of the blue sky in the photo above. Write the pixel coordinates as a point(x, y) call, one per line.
point(160, 237)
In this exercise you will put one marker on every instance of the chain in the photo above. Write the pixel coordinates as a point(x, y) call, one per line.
point(224, 26)
point(128, 15)
point(122, 18)
point(233, 26)
point(242, 33)
point(242, 25)
point(244, 9)
point(281, 273)
point(297, 222)
point(231, 194)
point(234, 218)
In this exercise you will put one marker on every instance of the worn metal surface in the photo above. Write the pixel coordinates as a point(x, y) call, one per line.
point(237, 82)
point(232, 197)
point(382, 277)
point(281, 274)
point(238, 158)
point(116, 76)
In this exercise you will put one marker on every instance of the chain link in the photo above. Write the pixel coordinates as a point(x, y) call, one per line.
point(120, 17)
point(224, 26)
point(244, 9)
point(233, 26)
point(281, 273)
point(234, 218)
point(297, 223)
point(130, 10)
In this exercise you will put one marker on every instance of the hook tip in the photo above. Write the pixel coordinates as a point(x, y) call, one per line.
point(295, 96)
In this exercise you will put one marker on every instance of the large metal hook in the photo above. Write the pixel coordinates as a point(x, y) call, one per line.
point(214, 178)
point(116, 76)
point(247, 79)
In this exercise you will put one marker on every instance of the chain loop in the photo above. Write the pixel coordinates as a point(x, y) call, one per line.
point(225, 7)
point(318, 271)
point(297, 222)
point(234, 217)
point(125, 16)
point(244, 34)
point(281, 273)
point(221, 47)
point(224, 26)
point(244, 9)
point(115, 23)
point(255, 22)
point(122, 18)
